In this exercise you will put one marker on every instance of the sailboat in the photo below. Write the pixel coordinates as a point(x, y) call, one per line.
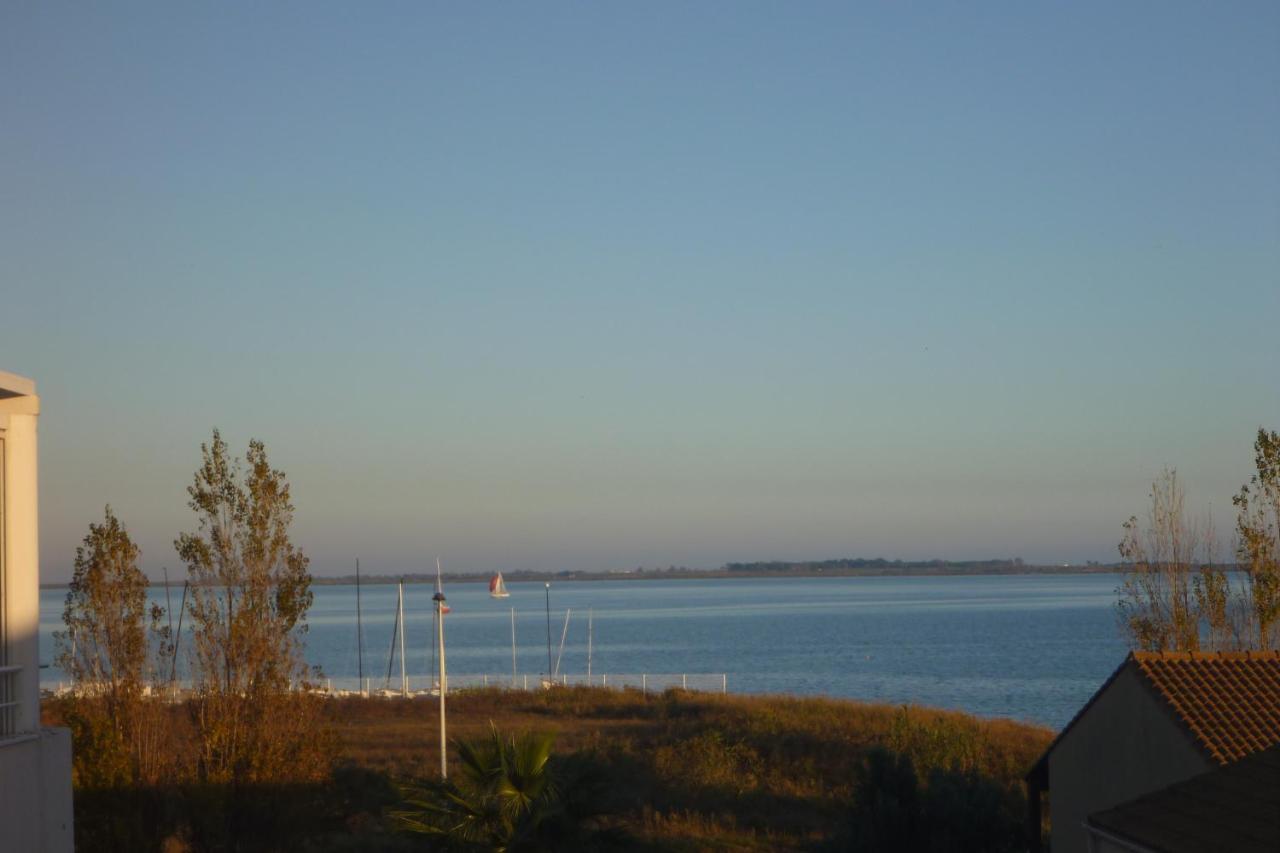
point(498, 589)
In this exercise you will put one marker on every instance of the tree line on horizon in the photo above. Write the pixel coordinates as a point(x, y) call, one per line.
point(868, 565)
point(878, 563)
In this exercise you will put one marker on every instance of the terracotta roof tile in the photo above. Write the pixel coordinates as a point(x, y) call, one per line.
point(1228, 701)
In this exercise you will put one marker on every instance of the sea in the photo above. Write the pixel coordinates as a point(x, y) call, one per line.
point(1027, 647)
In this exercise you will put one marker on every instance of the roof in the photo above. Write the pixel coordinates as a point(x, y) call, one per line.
point(13, 385)
point(1231, 808)
point(1228, 703)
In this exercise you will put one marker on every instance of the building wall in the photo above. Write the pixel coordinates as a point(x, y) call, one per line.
point(35, 763)
point(35, 793)
point(21, 565)
point(1124, 746)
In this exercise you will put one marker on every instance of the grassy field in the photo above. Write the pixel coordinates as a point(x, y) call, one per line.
point(679, 771)
point(706, 771)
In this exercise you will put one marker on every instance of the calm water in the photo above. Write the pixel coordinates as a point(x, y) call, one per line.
point(1029, 647)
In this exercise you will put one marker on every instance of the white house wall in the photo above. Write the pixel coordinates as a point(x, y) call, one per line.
point(18, 417)
point(35, 762)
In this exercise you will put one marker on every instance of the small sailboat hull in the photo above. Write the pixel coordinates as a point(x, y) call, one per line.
point(497, 588)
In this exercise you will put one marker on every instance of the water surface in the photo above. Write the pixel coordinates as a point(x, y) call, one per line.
point(1031, 647)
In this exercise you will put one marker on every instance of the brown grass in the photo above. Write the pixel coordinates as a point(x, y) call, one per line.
point(709, 771)
point(683, 770)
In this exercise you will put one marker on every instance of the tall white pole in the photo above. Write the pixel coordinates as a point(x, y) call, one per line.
point(589, 631)
point(563, 634)
point(513, 648)
point(404, 679)
point(444, 684)
point(359, 634)
point(549, 673)
point(444, 758)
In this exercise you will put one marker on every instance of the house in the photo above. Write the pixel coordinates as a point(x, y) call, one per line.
point(35, 762)
point(1234, 808)
point(1161, 718)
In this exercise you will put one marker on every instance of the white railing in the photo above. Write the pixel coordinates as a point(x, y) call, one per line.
point(421, 684)
point(8, 700)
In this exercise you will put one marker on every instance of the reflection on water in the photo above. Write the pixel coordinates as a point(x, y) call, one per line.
point(1028, 647)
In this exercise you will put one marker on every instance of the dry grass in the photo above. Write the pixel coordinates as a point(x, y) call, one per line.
point(706, 771)
point(682, 770)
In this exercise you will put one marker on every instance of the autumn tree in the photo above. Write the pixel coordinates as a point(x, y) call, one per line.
point(250, 592)
point(1174, 596)
point(1258, 544)
point(106, 649)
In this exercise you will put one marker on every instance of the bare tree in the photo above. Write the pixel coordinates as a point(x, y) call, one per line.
point(1258, 545)
point(1173, 586)
point(250, 591)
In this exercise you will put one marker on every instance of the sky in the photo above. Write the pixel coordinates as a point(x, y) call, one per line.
point(601, 285)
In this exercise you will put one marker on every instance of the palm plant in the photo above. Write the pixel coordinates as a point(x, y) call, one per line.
point(503, 794)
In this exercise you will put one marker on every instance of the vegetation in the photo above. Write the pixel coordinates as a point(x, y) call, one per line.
point(230, 763)
point(105, 651)
point(674, 771)
point(955, 812)
point(844, 567)
point(250, 762)
point(249, 597)
point(697, 771)
point(880, 565)
point(1258, 550)
point(1176, 596)
point(1172, 584)
point(510, 794)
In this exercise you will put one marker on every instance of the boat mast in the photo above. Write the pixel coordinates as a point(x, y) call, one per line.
point(391, 655)
point(359, 635)
point(168, 609)
point(168, 602)
point(548, 630)
point(563, 634)
point(439, 600)
point(513, 648)
point(177, 641)
point(404, 679)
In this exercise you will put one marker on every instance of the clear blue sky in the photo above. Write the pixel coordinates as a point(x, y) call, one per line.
point(603, 285)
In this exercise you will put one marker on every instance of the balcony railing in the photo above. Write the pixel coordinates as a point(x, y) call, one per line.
point(8, 700)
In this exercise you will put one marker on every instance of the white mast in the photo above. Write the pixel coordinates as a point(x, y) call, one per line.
point(589, 613)
point(513, 648)
point(404, 679)
point(564, 633)
point(439, 600)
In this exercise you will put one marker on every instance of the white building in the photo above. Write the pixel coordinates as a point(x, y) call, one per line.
point(35, 762)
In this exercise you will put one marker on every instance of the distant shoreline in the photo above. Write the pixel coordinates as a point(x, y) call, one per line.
point(878, 571)
point(716, 574)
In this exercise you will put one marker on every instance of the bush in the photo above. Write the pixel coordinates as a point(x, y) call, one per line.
point(953, 812)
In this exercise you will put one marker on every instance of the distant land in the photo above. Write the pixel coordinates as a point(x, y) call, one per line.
point(847, 567)
point(840, 568)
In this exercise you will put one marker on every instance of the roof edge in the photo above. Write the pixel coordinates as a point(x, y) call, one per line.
point(13, 385)
point(1040, 768)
